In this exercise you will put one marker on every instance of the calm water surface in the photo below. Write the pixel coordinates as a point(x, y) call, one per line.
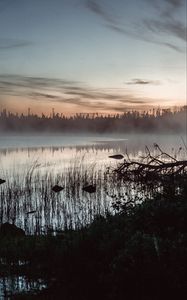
point(57, 152)
point(31, 165)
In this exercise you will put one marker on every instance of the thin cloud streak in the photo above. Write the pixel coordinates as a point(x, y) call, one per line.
point(175, 3)
point(166, 22)
point(75, 93)
point(138, 81)
point(6, 44)
point(99, 10)
point(169, 26)
point(140, 37)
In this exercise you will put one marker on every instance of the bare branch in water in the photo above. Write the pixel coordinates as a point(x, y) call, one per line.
point(152, 168)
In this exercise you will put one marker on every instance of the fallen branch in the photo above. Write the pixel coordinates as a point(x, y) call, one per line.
point(152, 168)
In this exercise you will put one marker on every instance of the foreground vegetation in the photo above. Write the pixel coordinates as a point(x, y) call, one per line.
point(139, 253)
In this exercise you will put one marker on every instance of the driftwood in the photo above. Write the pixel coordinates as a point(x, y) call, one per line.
point(159, 167)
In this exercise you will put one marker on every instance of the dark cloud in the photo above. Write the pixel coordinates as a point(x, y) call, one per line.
point(36, 95)
point(140, 37)
point(69, 92)
point(131, 101)
point(120, 102)
point(171, 46)
point(117, 106)
point(96, 8)
point(167, 26)
point(148, 30)
point(143, 82)
point(35, 82)
point(175, 3)
point(166, 22)
point(167, 6)
point(94, 94)
point(6, 44)
point(119, 29)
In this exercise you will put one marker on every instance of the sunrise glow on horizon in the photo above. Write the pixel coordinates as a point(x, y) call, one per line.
point(84, 56)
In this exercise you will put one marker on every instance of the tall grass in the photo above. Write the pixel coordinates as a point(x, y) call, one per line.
point(10, 286)
point(31, 190)
point(72, 208)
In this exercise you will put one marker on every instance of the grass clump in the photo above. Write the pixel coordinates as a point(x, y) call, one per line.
point(139, 253)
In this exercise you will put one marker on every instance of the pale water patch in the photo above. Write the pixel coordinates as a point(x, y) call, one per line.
point(58, 151)
point(31, 165)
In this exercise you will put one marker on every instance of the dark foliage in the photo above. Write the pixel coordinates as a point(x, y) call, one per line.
point(140, 253)
point(147, 121)
point(10, 230)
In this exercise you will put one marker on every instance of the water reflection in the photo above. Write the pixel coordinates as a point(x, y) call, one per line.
point(30, 173)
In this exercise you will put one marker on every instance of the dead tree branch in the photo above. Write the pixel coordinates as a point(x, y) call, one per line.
point(152, 168)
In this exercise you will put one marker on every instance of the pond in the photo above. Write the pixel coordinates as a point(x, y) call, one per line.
point(32, 165)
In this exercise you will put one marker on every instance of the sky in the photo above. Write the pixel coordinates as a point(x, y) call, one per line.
point(87, 56)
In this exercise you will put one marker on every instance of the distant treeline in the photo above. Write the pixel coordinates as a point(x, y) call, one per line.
point(156, 120)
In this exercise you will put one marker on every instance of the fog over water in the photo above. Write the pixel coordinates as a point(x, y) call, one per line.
point(32, 165)
point(81, 81)
point(57, 151)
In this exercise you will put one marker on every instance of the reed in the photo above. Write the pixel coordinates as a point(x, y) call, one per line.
point(27, 199)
